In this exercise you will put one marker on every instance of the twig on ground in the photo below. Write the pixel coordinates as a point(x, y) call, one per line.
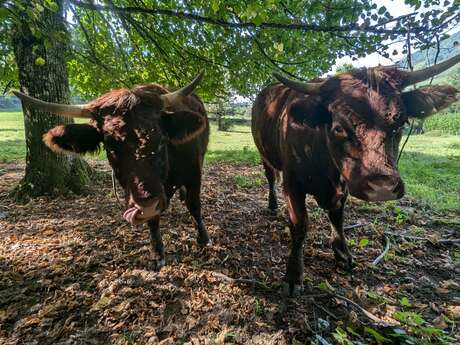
point(417, 238)
point(354, 226)
point(244, 281)
point(368, 314)
point(325, 310)
point(385, 251)
point(226, 279)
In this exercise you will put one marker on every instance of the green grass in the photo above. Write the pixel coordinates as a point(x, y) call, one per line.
point(11, 137)
point(444, 123)
point(430, 164)
point(234, 146)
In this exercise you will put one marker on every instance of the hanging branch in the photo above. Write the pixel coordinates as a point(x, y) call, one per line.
point(409, 52)
point(438, 48)
point(272, 61)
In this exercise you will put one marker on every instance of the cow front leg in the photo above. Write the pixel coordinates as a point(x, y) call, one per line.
point(270, 174)
point(298, 227)
point(157, 249)
point(342, 253)
point(193, 203)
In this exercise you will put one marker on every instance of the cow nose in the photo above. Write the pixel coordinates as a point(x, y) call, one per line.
point(385, 187)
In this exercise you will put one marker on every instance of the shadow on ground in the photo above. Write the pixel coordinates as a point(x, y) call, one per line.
point(72, 272)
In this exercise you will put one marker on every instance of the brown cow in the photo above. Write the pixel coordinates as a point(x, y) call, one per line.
point(338, 136)
point(155, 142)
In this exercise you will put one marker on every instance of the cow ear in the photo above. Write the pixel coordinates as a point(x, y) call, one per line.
point(75, 138)
point(308, 111)
point(182, 126)
point(428, 100)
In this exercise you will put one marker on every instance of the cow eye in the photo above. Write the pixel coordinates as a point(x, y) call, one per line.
point(338, 130)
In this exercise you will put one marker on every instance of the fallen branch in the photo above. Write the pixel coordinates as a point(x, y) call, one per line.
point(417, 238)
point(354, 226)
point(368, 314)
point(385, 251)
point(244, 281)
point(325, 310)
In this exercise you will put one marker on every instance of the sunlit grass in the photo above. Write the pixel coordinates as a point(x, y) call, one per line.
point(430, 164)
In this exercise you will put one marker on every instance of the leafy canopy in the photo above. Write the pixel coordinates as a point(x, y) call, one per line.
point(238, 43)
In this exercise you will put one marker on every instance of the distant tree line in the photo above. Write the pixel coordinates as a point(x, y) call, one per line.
point(10, 103)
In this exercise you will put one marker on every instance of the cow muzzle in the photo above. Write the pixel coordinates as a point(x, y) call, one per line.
point(383, 188)
point(137, 214)
point(379, 188)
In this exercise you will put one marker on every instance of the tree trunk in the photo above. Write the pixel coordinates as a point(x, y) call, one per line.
point(41, 61)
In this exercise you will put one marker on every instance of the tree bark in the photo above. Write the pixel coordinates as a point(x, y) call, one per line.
point(41, 61)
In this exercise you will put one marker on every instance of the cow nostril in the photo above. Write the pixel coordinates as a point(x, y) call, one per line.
point(399, 189)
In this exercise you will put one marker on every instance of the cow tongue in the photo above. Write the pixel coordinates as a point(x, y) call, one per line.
point(131, 215)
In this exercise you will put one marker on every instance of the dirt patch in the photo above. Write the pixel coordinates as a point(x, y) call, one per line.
point(73, 272)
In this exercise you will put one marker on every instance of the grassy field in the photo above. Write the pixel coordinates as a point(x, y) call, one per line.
point(430, 164)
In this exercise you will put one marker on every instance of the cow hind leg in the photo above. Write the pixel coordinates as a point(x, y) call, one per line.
point(270, 174)
point(342, 253)
point(193, 203)
point(156, 242)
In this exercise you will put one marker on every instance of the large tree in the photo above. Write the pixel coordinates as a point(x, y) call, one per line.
point(38, 39)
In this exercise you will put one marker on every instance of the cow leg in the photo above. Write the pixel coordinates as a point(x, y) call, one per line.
point(182, 193)
point(298, 228)
point(339, 243)
point(271, 178)
point(156, 243)
point(193, 203)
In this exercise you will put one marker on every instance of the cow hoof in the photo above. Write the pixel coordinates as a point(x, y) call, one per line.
point(292, 290)
point(273, 206)
point(157, 264)
point(204, 242)
point(157, 261)
point(345, 262)
point(342, 255)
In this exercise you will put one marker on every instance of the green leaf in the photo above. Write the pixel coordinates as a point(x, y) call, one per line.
point(279, 46)
point(215, 5)
point(39, 61)
point(4, 13)
point(409, 318)
point(324, 285)
point(405, 302)
point(363, 242)
point(382, 10)
point(52, 5)
point(380, 339)
point(341, 336)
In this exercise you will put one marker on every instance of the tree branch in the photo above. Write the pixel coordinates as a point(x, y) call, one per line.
point(375, 29)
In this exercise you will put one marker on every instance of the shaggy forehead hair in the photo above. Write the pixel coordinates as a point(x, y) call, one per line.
point(371, 93)
point(121, 101)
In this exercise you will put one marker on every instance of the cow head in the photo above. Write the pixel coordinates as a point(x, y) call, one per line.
point(134, 125)
point(362, 113)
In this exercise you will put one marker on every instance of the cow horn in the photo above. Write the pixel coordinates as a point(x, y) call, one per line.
point(184, 91)
point(55, 108)
point(426, 73)
point(308, 88)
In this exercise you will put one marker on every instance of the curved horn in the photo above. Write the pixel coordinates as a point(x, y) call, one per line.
point(424, 74)
point(184, 91)
point(55, 108)
point(308, 88)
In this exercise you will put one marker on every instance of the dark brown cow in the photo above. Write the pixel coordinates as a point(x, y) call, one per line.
point(155, 142)
point(338, 136)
